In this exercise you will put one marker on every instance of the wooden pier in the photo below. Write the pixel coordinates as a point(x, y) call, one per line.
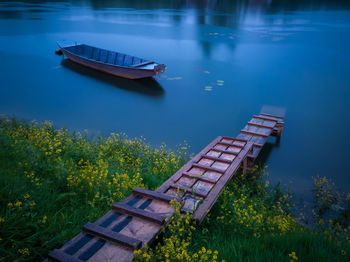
point(139, 218)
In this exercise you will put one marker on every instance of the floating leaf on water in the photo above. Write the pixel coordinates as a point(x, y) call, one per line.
point(206, 72)
point(56, 67)
point(174, 78)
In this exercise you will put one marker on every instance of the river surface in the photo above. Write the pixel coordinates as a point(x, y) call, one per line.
point(288, 57)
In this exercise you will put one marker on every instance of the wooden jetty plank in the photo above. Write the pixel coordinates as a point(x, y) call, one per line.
point(187, 189)
point(60, 256)
point(187, 180)
point(87, 249)
point(209, 168)
point(224, 151)
point(265, 118)
point(254, 133)
point(202, 187)
point(153, 217)
point(213, 195)
point(142, 229)
point(112, 236)
point(155, 195)
point(200, 177)
point(269, 115)
point(112, 253)
point(191, 203)
point(259, 125)
point(217, 159)
point(227, 144)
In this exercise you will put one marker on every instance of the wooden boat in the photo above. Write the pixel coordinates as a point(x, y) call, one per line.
point(110, 62)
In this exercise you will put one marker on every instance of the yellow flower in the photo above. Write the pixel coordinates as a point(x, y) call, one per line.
point(26, 196)
point(18, 204)
point(2, 220)
point(44, 220)
point(10, 204)
point(24, 251)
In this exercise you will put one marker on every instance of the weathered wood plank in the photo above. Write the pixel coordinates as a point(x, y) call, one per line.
point(187, 190)
point(112, 236)
point(254, 133)
point(156, 218)
point(155, 195)
point(200, 177)
point(224, 151)
point(217, 159)
point(225, 143)
point(209, 168)
point(269, 115)
point(60, 256)
point(259, 125)
point(265, 118)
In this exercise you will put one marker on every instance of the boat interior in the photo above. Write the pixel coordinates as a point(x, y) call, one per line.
point(106, 56)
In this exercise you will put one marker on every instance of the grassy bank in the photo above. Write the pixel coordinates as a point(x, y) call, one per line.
point(53, 182)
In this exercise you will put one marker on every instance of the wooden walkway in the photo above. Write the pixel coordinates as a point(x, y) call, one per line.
point(139, 218)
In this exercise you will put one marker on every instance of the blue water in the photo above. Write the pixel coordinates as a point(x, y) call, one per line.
point(289, 57)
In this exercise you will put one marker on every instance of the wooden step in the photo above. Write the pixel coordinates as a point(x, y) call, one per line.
point(152, 217)
point(60, 256)
point(269, 115)
point(112, 236)
point(225, 151)
point(259, 125)
point(199, 177)
point(266, 118)
point(187, 189)
point(235, 140)
point(228, 144)
point(217, 159)
point(256, 144)
point(155, 195)
point(208, 168)
point(254, 133)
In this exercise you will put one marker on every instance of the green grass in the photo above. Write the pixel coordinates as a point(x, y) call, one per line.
point(53, 182)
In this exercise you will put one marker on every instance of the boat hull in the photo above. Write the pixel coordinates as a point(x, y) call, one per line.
point(126, 72)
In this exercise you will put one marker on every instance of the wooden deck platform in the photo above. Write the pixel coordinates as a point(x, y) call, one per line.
point(139, 218)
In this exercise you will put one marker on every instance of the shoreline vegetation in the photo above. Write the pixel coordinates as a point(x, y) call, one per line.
point(54, 181)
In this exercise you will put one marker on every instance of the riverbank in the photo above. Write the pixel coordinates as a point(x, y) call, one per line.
point(54, 181)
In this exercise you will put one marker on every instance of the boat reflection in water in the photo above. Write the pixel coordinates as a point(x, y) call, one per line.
point(147, 86)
